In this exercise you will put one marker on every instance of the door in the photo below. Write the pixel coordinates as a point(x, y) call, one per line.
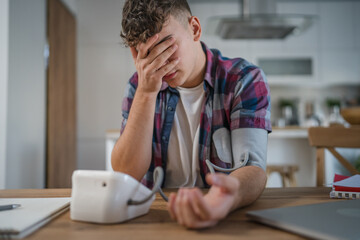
point(61, 96)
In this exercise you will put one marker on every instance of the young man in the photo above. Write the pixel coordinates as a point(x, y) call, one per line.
point(185, 104)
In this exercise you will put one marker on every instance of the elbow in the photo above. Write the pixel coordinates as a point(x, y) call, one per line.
point(118, 165)
point(115, 160)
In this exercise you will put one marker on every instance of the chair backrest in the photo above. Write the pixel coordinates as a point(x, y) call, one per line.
point(335, 137)
point(330, 138)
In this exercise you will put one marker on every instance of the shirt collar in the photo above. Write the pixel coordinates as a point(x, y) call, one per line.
point(209, 78)
point(208, 68)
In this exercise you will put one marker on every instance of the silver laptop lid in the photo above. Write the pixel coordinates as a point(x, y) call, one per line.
point(331, 220)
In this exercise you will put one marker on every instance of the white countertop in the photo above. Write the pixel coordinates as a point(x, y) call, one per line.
point(114, 134)
point(289, 133)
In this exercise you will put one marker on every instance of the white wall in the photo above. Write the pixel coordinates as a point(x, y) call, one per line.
point(25, 153)
point(4, 37)
point(104, 67)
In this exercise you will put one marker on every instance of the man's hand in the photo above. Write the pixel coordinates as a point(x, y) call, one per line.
point(152, 62)
point(190, 208)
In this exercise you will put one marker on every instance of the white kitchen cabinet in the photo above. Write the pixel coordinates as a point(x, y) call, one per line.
point(332, 41)
point(339, 57)
point(290, 79)
point(259, 45)
point(301, 46)
point(235, 49)
point(357, 35)
point(340, 66)
point(337, 21)
point(356, 12)
point(307, 39)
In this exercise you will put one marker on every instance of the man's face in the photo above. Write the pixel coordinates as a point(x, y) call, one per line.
point(182, 75)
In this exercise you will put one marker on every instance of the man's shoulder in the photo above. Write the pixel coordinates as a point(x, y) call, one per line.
point(232, 74)
point(232, 67)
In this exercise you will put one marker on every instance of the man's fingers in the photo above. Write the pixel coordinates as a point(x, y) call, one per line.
point(178, 209)
point(161, 59)
point(181, 206)
point(160, 48)
point(199, 205)
point(167, 68)
point(143, 48)
point(189, 216)
point(187, 213)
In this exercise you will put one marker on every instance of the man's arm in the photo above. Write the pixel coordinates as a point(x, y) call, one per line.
point(228, 192)
point(192, 209)
point(252, 181)
point(132, 152)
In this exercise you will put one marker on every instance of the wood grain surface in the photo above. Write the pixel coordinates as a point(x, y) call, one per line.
point(157, 224)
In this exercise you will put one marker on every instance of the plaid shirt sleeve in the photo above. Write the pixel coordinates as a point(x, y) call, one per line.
point(128, 99)
point(251, 105)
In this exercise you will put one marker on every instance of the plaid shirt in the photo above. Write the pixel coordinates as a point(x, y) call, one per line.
point(236, 96)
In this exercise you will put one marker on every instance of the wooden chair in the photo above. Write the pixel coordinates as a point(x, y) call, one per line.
point(287, 173)
point(330, 138)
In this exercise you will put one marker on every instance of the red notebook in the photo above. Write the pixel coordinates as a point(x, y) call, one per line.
point(346, 183)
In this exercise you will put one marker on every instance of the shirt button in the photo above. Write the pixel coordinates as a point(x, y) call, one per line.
point(170, 108)
point(163, 138)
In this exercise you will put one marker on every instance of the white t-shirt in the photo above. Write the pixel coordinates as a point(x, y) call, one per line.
point(183, 151)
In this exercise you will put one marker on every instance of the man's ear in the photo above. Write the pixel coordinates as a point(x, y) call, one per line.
point(195, 27)
point(134, 52)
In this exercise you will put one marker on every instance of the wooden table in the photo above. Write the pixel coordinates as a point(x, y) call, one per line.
point(157, 224)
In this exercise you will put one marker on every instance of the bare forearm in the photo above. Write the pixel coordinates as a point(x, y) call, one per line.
point(132, 152)
point(252, 183)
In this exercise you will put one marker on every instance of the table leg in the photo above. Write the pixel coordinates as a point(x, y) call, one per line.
point(320, 164)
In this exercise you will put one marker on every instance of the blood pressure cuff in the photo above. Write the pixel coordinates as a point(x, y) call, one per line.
point(232, 147)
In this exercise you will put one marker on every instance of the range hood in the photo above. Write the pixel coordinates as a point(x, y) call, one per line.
point(258, 26)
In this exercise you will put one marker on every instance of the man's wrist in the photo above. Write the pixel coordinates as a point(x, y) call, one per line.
point(237, 196)
point(145, 95)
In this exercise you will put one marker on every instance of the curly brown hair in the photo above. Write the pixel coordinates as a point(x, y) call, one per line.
point(142, 19)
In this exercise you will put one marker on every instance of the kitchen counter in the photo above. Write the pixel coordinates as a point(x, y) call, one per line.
point(289, 132)
point(286, 132)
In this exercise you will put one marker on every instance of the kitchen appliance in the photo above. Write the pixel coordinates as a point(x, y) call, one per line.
point(258, 26)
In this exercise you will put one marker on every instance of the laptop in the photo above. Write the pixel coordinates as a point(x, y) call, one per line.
point(330, 220)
